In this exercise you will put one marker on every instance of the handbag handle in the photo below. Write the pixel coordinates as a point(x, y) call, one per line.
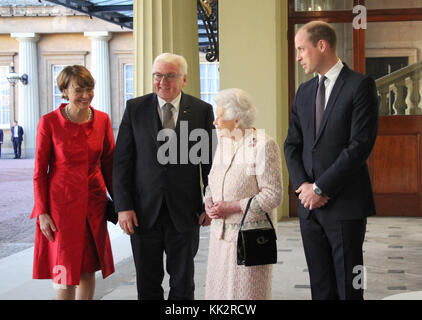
point(246, 211)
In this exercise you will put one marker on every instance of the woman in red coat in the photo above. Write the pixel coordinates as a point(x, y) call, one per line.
point(73, 169)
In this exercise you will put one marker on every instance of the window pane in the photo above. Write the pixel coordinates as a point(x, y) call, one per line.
point(210, 81)
point(203, 68)
point(344, 33)
point(323, 5)
point(128, 82)
point(57, 95)
point(393, 60)
point(129, 71)
point(203, 85)
point(5, 97)
point(393, 4)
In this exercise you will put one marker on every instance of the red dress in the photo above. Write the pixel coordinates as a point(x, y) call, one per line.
point(73, 167)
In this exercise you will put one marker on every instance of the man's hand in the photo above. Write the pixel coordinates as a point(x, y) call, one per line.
point(309, 199)
point(126, 221)
point(204, 220)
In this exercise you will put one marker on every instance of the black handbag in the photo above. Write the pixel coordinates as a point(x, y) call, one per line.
point(110, 212)
point(256, 246)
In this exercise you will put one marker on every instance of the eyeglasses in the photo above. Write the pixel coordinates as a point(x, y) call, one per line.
point(169, 76)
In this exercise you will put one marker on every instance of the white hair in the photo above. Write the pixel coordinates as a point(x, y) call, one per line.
point(237, 104)
point(173, 59)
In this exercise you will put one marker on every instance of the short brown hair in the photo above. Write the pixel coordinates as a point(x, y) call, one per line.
point(81, 74)
point(319, 30)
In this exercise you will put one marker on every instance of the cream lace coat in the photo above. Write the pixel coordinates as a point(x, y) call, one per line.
point(249, 168)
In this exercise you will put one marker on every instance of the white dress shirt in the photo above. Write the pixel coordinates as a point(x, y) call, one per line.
point(175, 110)
point(15, 132)
point(331, 76)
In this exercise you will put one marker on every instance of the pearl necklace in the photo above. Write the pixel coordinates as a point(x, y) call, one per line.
point(70, 119)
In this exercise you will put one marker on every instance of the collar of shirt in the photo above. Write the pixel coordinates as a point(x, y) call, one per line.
point(331, 76)
point(175, 103)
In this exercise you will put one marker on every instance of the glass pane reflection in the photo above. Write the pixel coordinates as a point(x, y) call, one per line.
point(323, 5)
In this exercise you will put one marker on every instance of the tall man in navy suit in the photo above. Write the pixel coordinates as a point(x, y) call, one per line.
point(17, 138)
point(332, 131)
point(159, 203)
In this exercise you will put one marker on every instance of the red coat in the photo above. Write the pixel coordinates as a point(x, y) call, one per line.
point(73, 167)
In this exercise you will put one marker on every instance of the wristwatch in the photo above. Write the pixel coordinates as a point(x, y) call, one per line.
point(317, 190)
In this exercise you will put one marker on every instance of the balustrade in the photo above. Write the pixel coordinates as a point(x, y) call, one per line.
point(406, 85)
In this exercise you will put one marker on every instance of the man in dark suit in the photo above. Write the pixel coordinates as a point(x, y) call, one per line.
point(1, 140)
point(17, 138)
point(157, 179)
point(332, 131)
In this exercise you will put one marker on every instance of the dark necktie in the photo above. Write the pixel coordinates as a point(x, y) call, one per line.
point(320, 104)
point(168, 122)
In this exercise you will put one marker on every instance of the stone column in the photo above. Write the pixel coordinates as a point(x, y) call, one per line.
point(100, 65)
point(29, 107)
point(165, 26)
point(261, 68)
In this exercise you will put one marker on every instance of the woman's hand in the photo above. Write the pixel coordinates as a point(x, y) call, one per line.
point(208, 206)
point(47, 226)
point(222, 209)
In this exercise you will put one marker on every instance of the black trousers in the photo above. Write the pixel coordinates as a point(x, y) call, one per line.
point(148, 247)
point(17, 143)
point(333, 251)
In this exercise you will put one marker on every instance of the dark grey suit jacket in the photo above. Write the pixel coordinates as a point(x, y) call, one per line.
point(140, 182)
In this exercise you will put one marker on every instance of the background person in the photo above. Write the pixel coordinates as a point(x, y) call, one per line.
point(73, 169)
point(237, 175)
point(333, 127)
point(17, 138)
point(1, 140)
point(160, 205)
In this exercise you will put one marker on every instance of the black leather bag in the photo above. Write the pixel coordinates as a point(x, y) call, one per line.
point(110, 212)
point(256, 246)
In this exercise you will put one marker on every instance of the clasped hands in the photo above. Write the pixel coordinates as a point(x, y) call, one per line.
point(309, 199)
point(221, 209)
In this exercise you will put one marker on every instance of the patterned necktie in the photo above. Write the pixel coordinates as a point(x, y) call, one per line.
point(320, 104)
point(168, 122)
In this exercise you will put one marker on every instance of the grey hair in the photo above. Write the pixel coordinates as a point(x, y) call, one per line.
point(173, 59)
point(237, 104)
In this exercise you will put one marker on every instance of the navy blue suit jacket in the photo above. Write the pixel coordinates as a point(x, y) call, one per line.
point(140, 182)
point(20, 133)
point(335, 157)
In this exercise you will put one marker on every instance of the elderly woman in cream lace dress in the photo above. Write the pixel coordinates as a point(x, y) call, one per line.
point(246, 164)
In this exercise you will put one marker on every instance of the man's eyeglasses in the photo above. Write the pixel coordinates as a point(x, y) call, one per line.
point(168, 76)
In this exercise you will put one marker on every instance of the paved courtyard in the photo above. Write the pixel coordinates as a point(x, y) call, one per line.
point(392, 252)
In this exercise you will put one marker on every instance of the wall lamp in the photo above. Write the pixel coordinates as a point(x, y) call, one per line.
point(13, 77)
